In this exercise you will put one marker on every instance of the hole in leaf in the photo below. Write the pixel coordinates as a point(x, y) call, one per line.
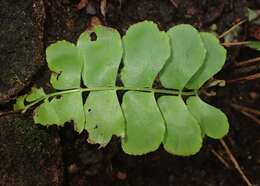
point(82, 83)
point(58, 97)
point(89, 110)
point(120, 96)
point(157, 96)
point(96, 126)
point(57, 74)
point(157, 83)
point(93, 36)
point(84, 96)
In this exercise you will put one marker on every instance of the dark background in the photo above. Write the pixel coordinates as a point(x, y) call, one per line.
point(34, 155)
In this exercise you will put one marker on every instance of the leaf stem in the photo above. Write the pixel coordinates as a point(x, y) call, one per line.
point(117, 88)
point(162, 91)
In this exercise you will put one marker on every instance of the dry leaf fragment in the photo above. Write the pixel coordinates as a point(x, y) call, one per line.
point(103, 6)
point(94, 21)
point(82, 4)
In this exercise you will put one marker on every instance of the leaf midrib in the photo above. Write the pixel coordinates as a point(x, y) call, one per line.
point(116, 88)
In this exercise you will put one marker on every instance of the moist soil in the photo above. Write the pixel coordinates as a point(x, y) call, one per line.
point(21, 33)
point(34, 155)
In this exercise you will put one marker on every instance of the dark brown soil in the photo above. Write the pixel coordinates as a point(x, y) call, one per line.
point(21, 35)
point(30, 154)
point(62, 157)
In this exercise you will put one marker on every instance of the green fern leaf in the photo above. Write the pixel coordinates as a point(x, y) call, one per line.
point(144, 123)
point(187, 56)
point(36, 93)
point(146, 50)
point(183, 134)
point(19, 104)
point(102, 56)
point(66, 65)
point(68, 107)
point(104, 117)
point(180, 58)
point(213, 121)
point(215, 59)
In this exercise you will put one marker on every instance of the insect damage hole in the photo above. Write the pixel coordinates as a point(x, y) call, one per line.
point(93, 36)
point(58, 97)
point(57, 75)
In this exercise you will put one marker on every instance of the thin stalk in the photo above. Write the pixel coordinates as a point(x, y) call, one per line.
point(235, 163)
point(221, 159)
point(245, 78)
point(162, 91)
point(229, 44)
point(48, 96)
point(8, 113)
point(232, 28)
point(252, 117)
point(245, 109)
point(247, 62)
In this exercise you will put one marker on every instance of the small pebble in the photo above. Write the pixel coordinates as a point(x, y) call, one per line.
point(73, 168)
point(57, 140)
point(121, 175)
point(253, 95)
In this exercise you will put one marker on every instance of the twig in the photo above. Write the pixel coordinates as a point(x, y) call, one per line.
point(103, 7)
point(232, 28)
point(222, 160)
point(245, 109)
point(245, 78)
point(8, 113)
point(82, 4)
point(247, 62)
point(238, 43)
point(252, 117)
point(235, 163)
point(247, 112)
point(174, 3)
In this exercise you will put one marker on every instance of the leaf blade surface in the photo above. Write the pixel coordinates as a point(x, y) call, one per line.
point(183, 134)
point(187, 56)
point(144, 123)
point(214, 61)
point(66, 64)
point(68, 107)
point(104, 117)
point(101, 56)
point(35, 94)
point(146, 50)
point(213, 121)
